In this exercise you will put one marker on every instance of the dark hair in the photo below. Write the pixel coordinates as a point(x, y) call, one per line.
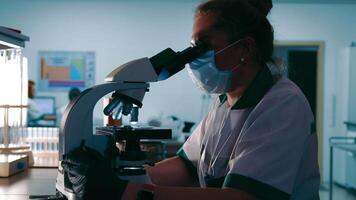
point(243, 18)
point(73, 92)
point(31, 82)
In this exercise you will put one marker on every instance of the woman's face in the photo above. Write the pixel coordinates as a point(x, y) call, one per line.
point(230, 58)
point(204, 31)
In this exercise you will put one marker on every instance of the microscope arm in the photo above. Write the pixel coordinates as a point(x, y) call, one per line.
point(157, 68)
point(129, 81)
point(77, 120)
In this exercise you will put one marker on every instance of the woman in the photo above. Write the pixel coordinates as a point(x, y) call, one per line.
point(257, 141)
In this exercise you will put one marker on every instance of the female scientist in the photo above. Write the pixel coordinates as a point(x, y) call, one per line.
point(257, 141)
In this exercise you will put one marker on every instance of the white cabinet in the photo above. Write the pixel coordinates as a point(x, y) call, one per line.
point(350, 168)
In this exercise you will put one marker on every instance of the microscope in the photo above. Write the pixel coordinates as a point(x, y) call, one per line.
point(128, 84)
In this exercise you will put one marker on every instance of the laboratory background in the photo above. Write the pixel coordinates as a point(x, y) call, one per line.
point(53, 50)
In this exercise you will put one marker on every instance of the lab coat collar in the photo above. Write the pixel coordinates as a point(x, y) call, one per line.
point(255, 91)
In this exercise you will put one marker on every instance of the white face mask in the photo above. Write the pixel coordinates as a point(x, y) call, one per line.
point(207, 76)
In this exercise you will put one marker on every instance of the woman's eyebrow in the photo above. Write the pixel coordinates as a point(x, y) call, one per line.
point(204, 38)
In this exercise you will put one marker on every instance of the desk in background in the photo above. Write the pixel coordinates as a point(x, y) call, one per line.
point(34, 181)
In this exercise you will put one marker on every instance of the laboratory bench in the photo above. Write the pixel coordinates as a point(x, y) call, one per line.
point(33, 181)
point(41, 181)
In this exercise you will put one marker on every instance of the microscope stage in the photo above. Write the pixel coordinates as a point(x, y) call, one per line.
point(133, 133)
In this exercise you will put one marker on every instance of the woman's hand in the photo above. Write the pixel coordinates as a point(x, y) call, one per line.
point(91, 175)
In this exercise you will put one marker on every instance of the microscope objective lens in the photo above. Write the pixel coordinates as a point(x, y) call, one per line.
point(126, 109)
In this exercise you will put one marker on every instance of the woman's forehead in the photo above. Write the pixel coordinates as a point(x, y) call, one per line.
point(203, 26)
point(204, 30)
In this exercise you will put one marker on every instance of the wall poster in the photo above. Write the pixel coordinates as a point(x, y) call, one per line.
point(62, 70)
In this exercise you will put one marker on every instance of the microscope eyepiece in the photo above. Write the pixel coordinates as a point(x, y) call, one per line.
point(168, 62)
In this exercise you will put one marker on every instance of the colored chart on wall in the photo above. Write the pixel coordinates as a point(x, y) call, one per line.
point(61, 70)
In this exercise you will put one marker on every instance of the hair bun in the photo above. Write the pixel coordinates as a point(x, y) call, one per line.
point(263, 6)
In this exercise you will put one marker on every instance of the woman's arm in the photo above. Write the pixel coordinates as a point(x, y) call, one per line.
point(171, 172)
point(173, 181)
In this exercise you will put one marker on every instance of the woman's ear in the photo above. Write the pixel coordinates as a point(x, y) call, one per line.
point(249, 51)
point(250, 45)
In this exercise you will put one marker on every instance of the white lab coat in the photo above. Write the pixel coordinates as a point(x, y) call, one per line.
point(268, 149)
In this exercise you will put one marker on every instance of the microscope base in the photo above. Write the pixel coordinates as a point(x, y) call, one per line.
point(60, 186)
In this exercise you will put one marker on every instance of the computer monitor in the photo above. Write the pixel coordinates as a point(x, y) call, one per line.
point(46, 104)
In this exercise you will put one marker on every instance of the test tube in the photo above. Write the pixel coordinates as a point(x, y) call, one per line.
point(34, 132)
point(57, 139)
point(1, 135)
point(30, 137)
point(45, 138)
point(49, 139)
point(35, 139)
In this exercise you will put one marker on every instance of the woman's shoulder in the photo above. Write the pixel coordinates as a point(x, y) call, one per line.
point(285, 88)
point(284, 95)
